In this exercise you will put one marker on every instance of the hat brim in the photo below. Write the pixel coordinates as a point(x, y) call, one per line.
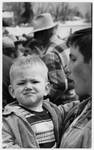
point(41, 29)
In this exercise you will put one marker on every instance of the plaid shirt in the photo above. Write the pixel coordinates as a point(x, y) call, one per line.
point(56, 73)
point(61, 87)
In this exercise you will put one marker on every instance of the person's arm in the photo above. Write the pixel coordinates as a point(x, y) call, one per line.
point(65, 109)
point(78, 137)
point(8, 139)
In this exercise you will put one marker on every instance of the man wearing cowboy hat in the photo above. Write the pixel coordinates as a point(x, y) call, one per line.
point(44, 29)
point(44, 22)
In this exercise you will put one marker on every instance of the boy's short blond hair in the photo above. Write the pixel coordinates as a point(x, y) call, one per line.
point(28, 60)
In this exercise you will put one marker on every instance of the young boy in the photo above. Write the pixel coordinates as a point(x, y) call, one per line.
point(31, 122)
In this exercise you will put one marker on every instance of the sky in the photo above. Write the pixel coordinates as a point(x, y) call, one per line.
point(83, 7)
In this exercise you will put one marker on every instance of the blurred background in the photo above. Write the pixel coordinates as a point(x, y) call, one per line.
point(70, 16)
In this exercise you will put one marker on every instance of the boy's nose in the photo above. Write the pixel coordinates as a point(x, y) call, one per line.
point(28, 86)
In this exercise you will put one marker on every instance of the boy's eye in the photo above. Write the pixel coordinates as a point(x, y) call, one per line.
point(32, 82)
point(21, 83)
point(35, 82)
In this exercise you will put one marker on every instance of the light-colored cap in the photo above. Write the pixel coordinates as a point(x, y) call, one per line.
point(43, 22)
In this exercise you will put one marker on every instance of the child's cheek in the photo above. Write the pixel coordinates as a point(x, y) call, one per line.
point(17, 91)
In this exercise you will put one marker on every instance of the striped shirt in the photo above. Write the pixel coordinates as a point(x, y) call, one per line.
point(43, 128)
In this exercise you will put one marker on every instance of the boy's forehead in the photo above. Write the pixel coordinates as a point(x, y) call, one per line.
point(30, 70)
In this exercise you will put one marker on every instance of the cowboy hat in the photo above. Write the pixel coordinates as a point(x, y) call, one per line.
point(43, 22)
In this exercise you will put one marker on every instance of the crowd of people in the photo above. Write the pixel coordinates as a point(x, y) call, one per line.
point(47, 95)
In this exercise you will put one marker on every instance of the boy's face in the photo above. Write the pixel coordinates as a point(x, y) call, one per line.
point(81, 72)
point(29, 86)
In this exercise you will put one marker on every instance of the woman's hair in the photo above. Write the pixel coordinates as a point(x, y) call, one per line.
point(82, 39)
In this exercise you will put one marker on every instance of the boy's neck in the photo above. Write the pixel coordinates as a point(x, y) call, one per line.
point(37, 108)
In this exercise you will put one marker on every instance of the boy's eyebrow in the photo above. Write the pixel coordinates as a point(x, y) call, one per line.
point(24, 80)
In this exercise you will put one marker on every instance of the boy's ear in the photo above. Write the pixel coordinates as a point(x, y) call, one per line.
point(11, 91)
point(47, 88)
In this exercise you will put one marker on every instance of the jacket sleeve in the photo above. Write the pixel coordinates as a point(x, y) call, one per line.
point(77, 137)
point(8, 139)
point(68, 106)
point(86, 136)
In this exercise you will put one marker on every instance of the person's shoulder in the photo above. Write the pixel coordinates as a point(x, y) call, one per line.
point(86, 103)
point(50, 105)
point(78, 106)
point(53, 108)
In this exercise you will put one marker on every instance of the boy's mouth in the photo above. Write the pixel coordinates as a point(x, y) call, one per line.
point(29, 93)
